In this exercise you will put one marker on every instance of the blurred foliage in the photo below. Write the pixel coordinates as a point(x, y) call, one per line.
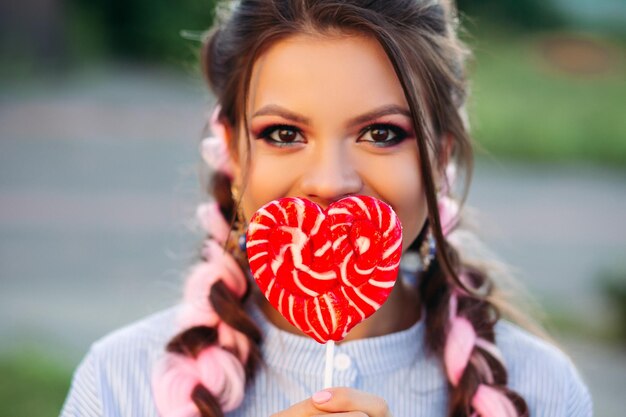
point(150, 30)
point(140, 30)
point(613, 285)
point(522, 14)
point(31, 385)
point(525, 107)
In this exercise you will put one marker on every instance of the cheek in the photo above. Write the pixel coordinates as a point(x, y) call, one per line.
point(267, 181)
point(410, 202)
point(403, 190)
point(413, 216)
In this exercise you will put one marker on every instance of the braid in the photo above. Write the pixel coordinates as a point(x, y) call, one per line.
point(460, 322)
point(207, 364)
point(205, 402)
point(220, 189)
point(227, 307)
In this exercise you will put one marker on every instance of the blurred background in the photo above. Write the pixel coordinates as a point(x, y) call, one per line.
point(101, 112)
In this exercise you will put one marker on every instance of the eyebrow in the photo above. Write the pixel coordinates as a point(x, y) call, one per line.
point(379, 112)
point(276, 110)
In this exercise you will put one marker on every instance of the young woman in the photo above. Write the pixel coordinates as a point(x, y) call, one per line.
point(323, 100)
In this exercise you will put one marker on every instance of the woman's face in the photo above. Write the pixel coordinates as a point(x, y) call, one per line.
point(328, 119)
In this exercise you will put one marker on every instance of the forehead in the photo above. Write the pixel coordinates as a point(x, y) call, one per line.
point(325, 74)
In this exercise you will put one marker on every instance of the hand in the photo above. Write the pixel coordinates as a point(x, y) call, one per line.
point(339, 402)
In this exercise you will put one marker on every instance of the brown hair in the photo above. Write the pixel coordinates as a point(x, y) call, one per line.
point(419, 37)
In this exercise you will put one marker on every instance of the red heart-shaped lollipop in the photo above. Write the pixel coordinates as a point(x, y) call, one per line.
point(325, 271)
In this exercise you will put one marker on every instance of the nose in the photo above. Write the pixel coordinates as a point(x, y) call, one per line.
point(330, 175)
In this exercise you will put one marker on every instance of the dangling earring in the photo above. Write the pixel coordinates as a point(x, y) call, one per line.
point(241, 241)
point(427, 251)
point(415, 263)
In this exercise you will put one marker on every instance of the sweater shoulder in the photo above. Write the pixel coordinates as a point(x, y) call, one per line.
point(542, 374)
point(147, 336)
point(114, 378)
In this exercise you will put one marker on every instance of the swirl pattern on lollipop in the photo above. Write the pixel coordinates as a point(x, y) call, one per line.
point(325, 271)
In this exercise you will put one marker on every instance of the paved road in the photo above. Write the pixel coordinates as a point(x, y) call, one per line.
point(98, 182)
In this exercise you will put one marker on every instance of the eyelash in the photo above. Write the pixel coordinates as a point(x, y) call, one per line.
point(266, 133)
point(400, 135)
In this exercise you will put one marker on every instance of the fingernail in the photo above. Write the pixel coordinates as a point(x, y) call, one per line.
point(321, 396)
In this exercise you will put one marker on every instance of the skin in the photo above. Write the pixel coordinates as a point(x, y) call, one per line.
point(328, 119)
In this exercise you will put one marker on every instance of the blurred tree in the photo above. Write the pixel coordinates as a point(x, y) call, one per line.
point(139, 29)
point(521, 14)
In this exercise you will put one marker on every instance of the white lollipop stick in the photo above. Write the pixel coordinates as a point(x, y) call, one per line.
point(330, 359)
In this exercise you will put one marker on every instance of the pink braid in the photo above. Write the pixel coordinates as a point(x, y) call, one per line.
point(459, 346)
point(197, 310)
point(213, 222)
point(460, 343)
point(234, 341)
point(462, 338)
point(232, 275)
point(489, 401)
point(483, 368)
point(214, 368)
point(219, 368)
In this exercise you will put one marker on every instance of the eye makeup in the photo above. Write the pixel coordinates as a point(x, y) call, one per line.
point(280, 135)
point(382, 135)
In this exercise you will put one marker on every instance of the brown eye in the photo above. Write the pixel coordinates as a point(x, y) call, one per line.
point(286, 135)
point(380, 134)
point(282, 135)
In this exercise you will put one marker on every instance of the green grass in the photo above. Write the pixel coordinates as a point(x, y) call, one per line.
point(31, 385)
point(523, 109)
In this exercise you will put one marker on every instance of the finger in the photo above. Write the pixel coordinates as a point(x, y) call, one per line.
point(336, 400)
point(346, 414)
point(302, 409)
